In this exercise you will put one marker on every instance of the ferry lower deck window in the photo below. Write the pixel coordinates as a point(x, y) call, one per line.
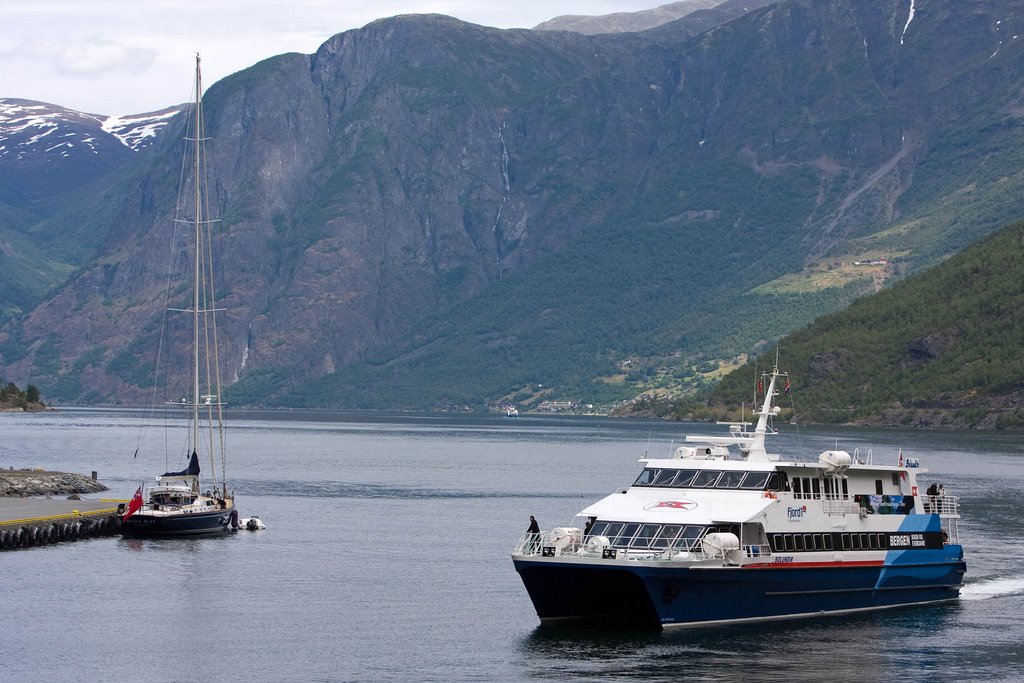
point(855, 538)
point(827, 541)
point(895, 479)
point(778, 542)
point(865, 542)
point(819, 543)
point(847, 544)
point(645, 536)
point(798, 542)
point(667, 534)
point(789, 542)
point(624, 537)
point(878, 487)
point(689, 536)
point(613, 530)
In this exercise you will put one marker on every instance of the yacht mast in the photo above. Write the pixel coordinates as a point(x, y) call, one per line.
point(196, 275)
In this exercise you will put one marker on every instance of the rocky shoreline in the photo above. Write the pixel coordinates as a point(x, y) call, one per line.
point(22, 483)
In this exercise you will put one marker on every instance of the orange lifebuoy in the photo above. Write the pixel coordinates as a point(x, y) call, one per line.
point(769, 494)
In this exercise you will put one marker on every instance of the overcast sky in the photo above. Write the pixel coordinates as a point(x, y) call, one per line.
point(134, 56)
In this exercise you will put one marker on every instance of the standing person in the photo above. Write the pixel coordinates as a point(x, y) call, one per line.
point(534, 531)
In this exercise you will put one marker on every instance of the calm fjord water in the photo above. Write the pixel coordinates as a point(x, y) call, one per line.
point(387, 558)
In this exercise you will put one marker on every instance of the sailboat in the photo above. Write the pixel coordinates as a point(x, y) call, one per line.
point(177, 504)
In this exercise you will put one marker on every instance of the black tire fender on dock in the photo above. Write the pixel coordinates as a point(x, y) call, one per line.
point(53, 533)
point(24, 537)
point(3, 540)
point(76, 530)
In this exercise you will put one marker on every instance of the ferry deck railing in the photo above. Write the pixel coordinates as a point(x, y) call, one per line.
point(533, 545)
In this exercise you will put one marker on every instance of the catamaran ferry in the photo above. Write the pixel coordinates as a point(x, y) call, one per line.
point(723, 531)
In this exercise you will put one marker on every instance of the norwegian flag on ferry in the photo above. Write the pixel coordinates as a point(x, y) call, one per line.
point(903, 475)
point(134, 504)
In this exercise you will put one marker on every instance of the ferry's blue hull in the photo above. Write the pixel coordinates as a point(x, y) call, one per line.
point(196, 524)
point(669, 596)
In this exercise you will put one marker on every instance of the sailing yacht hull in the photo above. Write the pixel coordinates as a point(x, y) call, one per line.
point(150, 524)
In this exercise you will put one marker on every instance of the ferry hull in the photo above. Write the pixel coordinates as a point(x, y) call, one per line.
point(678, 596)
point(142, 524)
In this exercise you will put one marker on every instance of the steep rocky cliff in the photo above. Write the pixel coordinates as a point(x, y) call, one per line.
point(427, 212)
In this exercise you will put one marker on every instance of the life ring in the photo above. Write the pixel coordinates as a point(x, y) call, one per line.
point(770, 494)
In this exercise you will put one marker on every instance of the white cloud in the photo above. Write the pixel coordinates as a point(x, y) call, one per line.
point(97, 57)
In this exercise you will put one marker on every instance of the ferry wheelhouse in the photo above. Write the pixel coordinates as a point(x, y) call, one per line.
point(723, 531)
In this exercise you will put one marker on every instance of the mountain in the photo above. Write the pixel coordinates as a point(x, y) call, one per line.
point(940, 349)
point(427, 213)
point(49, 155)
point(702, 15)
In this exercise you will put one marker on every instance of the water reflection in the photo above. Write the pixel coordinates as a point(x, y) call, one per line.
point(794, 650)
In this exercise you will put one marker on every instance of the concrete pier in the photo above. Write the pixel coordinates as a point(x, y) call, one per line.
point(28, 522)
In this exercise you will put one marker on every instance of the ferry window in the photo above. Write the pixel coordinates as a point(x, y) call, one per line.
point(895, 479)
point(878, 487)
point(625, 534)
point(865, 544)
point(644, 537)
point(856, 541)
point(789, 542)
point(706, 479)
point(754, 480)
point(666, 536)
point(809, 542)
point(796, 487)
point(778, 543)
point(689, 536)
point(730, 480)
point(646, 477)
point(816, 487)
point(665, 477)
point(807, 486)
point(846, 542)
point(827, 542)
point(776, 482)
point(818, 543)
point(883, 542)
point(613, 530)
point(683, 479)
point(599, 529)
point(798, 542)
point(846, 489)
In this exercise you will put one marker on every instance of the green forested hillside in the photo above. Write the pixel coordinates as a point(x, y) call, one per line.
point(944, 348)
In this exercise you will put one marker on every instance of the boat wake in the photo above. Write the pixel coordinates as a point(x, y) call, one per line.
point(993, 588)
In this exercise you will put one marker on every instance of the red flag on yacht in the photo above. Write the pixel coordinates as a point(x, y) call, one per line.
point(134, 504)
